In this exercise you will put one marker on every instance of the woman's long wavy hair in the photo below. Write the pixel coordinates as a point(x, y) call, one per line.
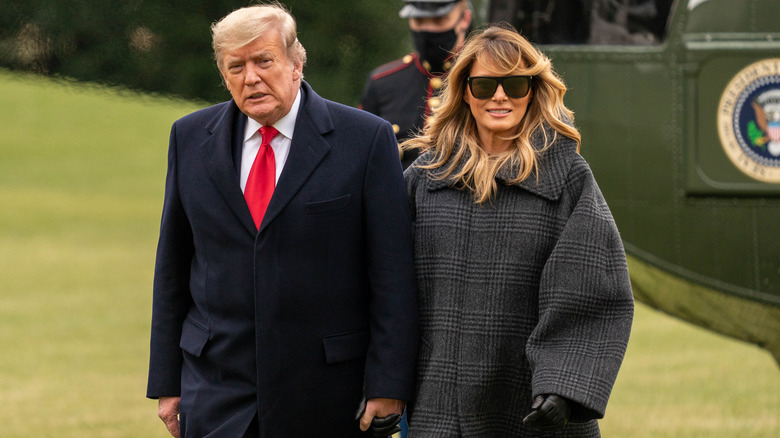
point(451, 131)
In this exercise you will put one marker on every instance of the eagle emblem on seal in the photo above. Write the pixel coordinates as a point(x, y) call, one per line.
point(748, 120)
point(766, 128)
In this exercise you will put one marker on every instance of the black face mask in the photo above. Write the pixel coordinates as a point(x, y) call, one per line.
point(435, 47)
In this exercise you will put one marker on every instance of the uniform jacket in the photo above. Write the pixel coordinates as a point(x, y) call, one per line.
point(297, 321)
point(401, 92)
point(525, 295)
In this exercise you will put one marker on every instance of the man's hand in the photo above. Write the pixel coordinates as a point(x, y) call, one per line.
point(382, 416)
point(549, 411)
point(168, 411)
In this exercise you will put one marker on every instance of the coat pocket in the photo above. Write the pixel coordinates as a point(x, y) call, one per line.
point(345, 346)
point(193, 337)
point(319, 207)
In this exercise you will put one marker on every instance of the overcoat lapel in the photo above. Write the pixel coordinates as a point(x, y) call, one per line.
point(218, 156)
point(307, 150)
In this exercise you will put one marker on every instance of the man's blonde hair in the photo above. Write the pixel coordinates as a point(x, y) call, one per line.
point(245, 25)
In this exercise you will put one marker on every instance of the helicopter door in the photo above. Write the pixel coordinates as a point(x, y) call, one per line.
point(733, 89)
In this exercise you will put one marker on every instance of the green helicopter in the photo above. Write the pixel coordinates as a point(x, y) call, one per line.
point(678, 102)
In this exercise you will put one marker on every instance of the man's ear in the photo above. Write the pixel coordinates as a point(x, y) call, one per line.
point(297, 72)
point(466, 21)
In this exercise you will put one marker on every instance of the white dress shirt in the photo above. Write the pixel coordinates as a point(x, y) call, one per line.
point(280, 144)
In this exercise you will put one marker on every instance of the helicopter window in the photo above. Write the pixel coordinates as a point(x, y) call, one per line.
point(546, 21)
point(629, 22)
point(596, 22)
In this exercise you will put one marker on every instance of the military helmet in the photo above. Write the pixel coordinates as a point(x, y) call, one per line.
point(427, 8)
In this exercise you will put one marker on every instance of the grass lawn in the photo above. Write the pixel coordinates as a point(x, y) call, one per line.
point(679, 380)
point(81, 180)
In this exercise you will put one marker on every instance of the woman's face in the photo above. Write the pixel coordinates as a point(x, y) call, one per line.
point(498, 116)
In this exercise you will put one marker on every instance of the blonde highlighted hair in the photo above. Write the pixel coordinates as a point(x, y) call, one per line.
point(245, 25)
point(451, 131)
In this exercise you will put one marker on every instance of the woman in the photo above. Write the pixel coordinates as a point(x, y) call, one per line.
point(525, 300)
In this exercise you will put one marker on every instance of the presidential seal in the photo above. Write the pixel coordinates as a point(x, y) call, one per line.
point(749, 120)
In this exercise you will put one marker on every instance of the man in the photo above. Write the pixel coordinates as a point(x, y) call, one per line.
point(404, 91)
point(277, 320)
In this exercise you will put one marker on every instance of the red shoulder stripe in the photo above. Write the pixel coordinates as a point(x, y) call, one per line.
point(394, 66)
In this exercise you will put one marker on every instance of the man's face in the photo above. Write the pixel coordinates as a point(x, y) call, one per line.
point(261, 78)
point(459, 18)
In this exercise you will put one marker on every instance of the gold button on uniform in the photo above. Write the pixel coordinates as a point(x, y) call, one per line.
point(434, 102)
point(407, 59)
point(396, 128)
point(436, 83)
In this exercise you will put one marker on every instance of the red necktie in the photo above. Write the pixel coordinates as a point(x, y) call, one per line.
point(262, 177)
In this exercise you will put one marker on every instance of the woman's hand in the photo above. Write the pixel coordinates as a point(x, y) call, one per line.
point(549, 411)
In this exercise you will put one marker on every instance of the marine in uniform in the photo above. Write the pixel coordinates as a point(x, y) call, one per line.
point(405, 91)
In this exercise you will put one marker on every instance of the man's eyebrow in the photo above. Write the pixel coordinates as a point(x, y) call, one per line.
point(262, 52)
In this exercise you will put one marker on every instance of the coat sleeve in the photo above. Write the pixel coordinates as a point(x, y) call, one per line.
point(585, 304)
point(392, 353)
point(171, 295)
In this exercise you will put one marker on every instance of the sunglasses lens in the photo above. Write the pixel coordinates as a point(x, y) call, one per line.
point(514, 86)
point(483, 88)
point(517, 87)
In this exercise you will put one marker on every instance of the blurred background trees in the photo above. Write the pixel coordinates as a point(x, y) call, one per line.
point(164, 46)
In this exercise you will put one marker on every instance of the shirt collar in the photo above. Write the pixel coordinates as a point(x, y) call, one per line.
point(285, 125)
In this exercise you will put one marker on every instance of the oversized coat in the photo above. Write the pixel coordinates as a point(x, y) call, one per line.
point(295, 322)
point(523, 295)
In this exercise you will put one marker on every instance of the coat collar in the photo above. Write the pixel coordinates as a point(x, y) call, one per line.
point(307, 150)
point(217, 153)
point(554, 165)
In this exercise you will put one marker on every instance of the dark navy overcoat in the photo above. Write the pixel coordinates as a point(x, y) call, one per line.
point(295, 322)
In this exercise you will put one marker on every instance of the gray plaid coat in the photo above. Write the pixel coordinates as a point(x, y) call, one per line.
point(525, 295)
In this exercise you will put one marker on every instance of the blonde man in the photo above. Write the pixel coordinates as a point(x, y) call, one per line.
point(284, 294)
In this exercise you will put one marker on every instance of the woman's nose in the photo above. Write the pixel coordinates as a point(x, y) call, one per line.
point(499, 94)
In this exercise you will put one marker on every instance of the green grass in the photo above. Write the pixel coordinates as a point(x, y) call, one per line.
point(81, 179)
point(679, 380)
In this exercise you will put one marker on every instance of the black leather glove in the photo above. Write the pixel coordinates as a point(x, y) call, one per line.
point(381, 427)
point(385, 426)
point(548, 411)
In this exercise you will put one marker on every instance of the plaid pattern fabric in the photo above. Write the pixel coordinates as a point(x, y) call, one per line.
point(528, 294)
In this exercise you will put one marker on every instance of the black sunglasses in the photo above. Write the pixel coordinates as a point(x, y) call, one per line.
point(484, 87)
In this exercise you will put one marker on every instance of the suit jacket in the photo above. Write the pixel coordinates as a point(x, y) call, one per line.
point(299, 320)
